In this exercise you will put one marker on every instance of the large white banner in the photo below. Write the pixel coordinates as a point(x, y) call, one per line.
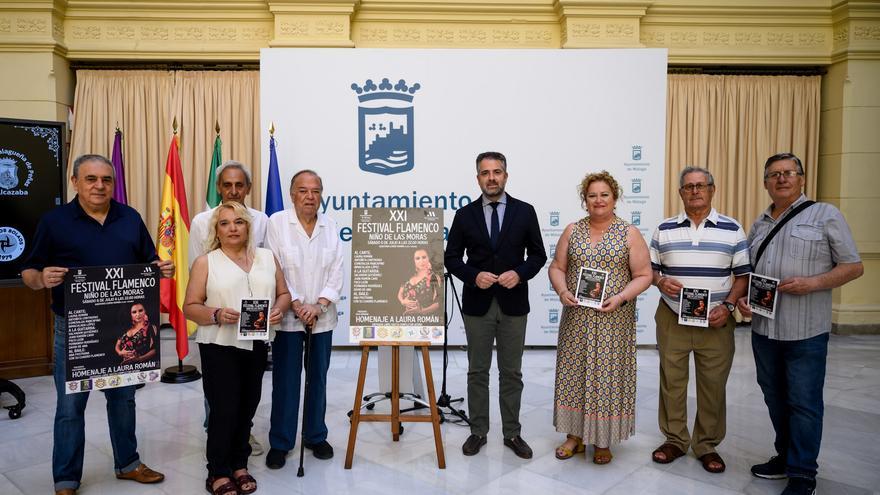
point(401, 128)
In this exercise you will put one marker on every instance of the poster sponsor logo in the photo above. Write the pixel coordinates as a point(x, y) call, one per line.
point(554, 218)
point(385, 126)
point(11, 244)
point(553, 315)
point(636, 218)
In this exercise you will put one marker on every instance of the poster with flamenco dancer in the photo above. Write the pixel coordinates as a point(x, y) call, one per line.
point(397, 284)
point(112, 326)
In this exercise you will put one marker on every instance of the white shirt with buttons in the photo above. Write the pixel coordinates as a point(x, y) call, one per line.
point(312, 265)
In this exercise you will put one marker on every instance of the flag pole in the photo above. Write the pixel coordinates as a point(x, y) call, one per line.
point(180, 373)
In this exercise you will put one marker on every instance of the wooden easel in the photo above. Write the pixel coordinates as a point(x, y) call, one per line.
point(395, 418)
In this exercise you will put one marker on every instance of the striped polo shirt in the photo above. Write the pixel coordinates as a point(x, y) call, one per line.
point(708, 255)
point(812, 243)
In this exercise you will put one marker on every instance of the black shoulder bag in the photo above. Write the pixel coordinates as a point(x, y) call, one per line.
point(801, 207)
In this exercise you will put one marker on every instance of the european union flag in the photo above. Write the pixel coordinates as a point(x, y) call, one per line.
point(274, 199)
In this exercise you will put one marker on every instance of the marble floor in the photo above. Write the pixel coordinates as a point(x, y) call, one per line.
point(172, 440)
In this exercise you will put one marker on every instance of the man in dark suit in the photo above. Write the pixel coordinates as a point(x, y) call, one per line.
point(502, 240)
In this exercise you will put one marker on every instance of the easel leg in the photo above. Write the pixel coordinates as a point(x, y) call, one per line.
point(356, 411)
point(395, 393)
point(435, 416)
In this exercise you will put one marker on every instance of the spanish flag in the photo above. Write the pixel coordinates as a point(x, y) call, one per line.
point(171, 244)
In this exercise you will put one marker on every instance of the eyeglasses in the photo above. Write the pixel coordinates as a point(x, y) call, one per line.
point(788, 174)
point(696, 187)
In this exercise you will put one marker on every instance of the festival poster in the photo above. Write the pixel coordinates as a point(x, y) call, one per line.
point(397, 285)
point(112, 326)
point(693, 309)
point(590, 291)
point(253, 320)
point(762, 295)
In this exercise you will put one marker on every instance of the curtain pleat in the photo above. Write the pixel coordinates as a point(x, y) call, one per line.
point(144, 104)
point(730, 125)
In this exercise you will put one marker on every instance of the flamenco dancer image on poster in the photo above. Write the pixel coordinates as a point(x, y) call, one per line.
point(138, 343)
point(420, 294)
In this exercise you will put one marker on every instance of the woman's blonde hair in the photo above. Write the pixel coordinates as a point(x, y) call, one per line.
point(602, 176)
point(213, 242)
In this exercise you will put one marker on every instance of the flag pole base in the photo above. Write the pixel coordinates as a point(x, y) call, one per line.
point(180, 374)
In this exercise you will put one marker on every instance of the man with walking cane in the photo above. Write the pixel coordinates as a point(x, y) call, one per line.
point(307, 245)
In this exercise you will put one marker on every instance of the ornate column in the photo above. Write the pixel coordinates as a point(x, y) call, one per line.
point(849, 154)
point(37, 85)
point(316, 23)
point(597, 23)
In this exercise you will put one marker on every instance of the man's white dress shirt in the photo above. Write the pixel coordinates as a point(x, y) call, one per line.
point(312, 266)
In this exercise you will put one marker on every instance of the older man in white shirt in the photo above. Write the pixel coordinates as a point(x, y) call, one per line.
point(234, 184)
point(308, 247)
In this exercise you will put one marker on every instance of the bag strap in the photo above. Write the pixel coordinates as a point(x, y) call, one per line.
point(801, 207)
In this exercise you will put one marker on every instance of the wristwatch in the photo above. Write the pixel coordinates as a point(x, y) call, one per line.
point(729, 305)
point(323, 308)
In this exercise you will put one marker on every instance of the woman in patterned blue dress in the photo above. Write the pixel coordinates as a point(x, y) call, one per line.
point(595, 390)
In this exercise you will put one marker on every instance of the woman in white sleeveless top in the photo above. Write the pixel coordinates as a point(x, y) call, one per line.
point(233, 269)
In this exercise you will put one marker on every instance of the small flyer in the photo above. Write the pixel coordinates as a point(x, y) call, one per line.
point(590, 291)
point(693, 309)
point(762, 295)
point(253, 324)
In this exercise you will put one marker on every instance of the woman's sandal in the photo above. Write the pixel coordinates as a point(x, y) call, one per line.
point(669, 451)
point(709, 458)
point(602, 455)
point(243, 480)
point(227, 488)
point(563, 452)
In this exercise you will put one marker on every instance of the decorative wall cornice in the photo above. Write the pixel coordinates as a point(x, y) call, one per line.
point(697, 32)
point(856, 30)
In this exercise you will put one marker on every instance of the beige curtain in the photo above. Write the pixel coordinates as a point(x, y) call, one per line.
point(144, 103)
point(730, 125)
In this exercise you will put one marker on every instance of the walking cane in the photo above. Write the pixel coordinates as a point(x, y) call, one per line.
point(302, 432)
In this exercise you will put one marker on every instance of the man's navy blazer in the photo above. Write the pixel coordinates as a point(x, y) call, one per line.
point(520, 248)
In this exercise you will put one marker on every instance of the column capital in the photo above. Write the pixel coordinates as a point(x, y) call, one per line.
point(318, 23)
point(601, 23)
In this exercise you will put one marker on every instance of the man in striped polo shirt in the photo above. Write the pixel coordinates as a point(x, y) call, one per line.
point(697, 249)
point(811, 254)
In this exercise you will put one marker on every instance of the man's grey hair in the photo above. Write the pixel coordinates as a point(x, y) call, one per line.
point(92, 158)
point(233, 164)
point(691, 169)
point(307, 171)
point(784, 156)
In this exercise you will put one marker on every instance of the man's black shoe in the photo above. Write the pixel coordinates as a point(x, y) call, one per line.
point(472, 445)
point(774, 469)
point(276, 458)
point(800, 486)
point(519, 447)
point(321, 450)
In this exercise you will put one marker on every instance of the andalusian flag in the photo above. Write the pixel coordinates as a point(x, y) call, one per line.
point(212, 196)
point(171, 244)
